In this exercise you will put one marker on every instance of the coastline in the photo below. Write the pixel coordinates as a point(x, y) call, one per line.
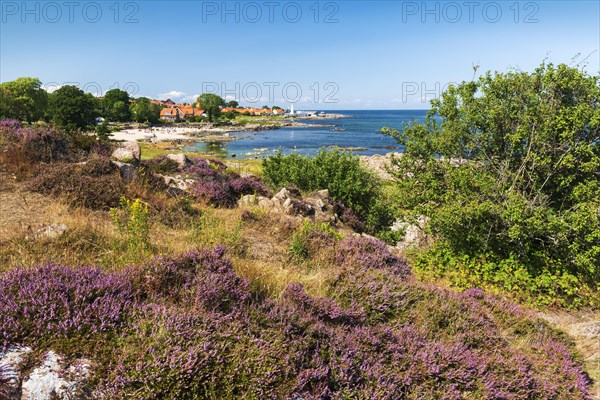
point(207, 132)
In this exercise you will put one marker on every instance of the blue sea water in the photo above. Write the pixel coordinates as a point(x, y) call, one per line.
point(359, 130)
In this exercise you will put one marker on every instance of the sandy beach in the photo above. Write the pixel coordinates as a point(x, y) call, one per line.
point(154, 134)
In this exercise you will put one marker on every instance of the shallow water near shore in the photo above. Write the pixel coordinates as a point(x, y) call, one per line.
point(359, 132)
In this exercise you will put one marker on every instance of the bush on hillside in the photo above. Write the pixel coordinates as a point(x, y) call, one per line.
point(506, 169)
point(25, 148)
point(96, 184)
point(340, 173)
point(219, 187)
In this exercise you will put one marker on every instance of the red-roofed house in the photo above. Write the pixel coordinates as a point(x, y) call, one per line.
point(171, 114)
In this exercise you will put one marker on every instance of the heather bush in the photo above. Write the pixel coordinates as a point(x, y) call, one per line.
point(310, 237)
point(52, 301)
point(97, 186)
point(349, 217)
point(189, 327)
point(219, 187)
point(369, 253)
point(177, 213)
point(205, 277)
point(9, 124)
point(162, 165)
point(36, 145)
point(322, 307)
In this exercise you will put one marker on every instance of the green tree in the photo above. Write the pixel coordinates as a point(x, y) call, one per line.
point(211, 104)
point(506, 168)
point(23, 99)
point(233, 104)
point(142, 110)
point(71, 108)
point(116, 105)
point(103, 131)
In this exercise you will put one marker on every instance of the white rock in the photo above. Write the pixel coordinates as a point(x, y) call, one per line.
point(181, 160)
point(129, 152)
point(52, 381)
point(51, 231)
point(414, 234)
point(10, 372)
point(282, 195)
point(323, 193)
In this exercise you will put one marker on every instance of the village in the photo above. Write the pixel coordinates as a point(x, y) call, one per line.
point(171, 111)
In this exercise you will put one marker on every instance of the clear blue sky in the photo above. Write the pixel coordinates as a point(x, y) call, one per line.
point(359, 54)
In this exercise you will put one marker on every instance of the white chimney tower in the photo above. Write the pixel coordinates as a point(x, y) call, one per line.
point(292, 111)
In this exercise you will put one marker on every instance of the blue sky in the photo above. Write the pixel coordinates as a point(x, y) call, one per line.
point(317, 55)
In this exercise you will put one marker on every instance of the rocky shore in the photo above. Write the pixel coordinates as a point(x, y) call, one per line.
point(202, 132)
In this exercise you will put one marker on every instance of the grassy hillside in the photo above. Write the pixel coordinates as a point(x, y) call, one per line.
point(185, 295)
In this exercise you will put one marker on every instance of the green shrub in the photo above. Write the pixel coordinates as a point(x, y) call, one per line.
point(506, 170)
point(340, 173)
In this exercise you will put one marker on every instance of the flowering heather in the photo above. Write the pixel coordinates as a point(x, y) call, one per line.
point(369, 253)
point(194, 329)
point(321, 307)
point(220, 187)
point(349, 217)
point(56, 301)
point(9, 124)
point(96, 185)
point(38, 144)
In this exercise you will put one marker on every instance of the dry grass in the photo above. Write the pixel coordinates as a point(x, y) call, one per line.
point(259, 248)
point(584, 328)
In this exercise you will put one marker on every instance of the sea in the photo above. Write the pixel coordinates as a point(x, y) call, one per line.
point(358, 131)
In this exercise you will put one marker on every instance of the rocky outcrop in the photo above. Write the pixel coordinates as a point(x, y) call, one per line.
point(178, 182)
point(127, 171)
point(181, 160)
point(52, 379)
point(318, 206)
point(380, 165)
point(414, 233)
point(128, 153)
point(10, 372)
point(51, 231)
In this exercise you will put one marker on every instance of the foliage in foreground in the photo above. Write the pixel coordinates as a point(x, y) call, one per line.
point(506, 170)
point(189, 327)
point(221, 188)
point(340, 173)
